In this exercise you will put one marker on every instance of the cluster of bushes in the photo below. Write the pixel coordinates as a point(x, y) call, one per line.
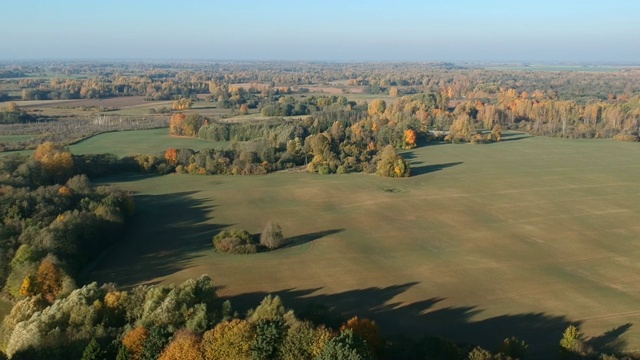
point(235, 241)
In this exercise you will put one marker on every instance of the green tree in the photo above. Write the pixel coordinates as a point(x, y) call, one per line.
point(269, 334)
point(345, 346)
point(93, 351)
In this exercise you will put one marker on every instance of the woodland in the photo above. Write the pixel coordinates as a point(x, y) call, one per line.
point(261, 118)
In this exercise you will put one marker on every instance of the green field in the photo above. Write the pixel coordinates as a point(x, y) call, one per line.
point(139, 142)
point(518, 238)
point(15, 138)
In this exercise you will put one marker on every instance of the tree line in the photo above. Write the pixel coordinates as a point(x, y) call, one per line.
point(189, 321)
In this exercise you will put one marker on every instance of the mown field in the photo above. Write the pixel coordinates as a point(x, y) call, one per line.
point(139, 142)
point(519, 238)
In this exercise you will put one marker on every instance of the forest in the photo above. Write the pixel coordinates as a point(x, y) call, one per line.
point(59, 221)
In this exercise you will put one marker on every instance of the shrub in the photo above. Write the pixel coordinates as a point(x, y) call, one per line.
point(234, 241)
point(626, 137)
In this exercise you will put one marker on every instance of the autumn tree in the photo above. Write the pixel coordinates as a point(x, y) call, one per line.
point(176, 123)
point(391, 164)
point(134, 341)
point(49, 279)
point(409, 139)
point(55, 160)
point(496, 133)
point(368, 331)
point(393, 91)
point(271, 237)
point(184, 346)
point(228, 340)
point(462, 129)
point(182, 104)
point(377, 107)
point(171, 156)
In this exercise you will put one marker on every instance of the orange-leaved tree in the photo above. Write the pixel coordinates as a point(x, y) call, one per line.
point(171, 156)
point(368, 331)
point(184, 346)
point(409, 139)
point(55, 160)
point(134, 341)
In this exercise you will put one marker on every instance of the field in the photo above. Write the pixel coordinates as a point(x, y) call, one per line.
point(519, 238)
point(139, 142)
point(5, 308)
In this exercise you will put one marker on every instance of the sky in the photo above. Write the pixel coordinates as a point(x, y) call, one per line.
point(323, 30)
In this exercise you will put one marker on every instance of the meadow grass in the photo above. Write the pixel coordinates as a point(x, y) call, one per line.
point(518, 238)
point(5, 308)
point(153, 141)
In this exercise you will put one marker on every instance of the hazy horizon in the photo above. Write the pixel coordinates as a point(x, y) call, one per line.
point(358, 31)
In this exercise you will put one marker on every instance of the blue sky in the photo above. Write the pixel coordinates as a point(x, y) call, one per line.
point(372, 30)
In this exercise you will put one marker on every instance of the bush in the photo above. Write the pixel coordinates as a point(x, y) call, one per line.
point(235, 242)
point(626, 137)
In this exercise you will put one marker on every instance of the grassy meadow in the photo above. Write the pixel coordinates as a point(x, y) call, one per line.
point(518, 238)
point(139, 142)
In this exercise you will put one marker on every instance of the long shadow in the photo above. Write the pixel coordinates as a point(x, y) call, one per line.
point(305, 238)
point(427, 317)
point(611, 342)
point(425, 169)
point(167, 232)
point(514, 137)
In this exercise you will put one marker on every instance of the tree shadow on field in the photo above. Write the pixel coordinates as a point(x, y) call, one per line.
point(513, 137)
point(166, 233)
point(611, 342)
point(306, 238)
point(430, 317)
point(425, 169)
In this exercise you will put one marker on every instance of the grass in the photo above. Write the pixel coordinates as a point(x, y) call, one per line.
point(519, 238)
point(139, 142)
point(5, 308)
point(15, 138)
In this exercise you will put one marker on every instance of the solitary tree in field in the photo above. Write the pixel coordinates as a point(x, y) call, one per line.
point(271, 236)
point(391, 164)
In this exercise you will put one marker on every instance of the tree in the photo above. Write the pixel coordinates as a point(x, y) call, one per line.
point(269, 335)
point(49, 279)
point(182, 104)
point(184, 346)
point(345, 346)
point(409, 139)
point(391, 164)
point(368, 331)
point(228, 340)
point(462, 129)
point(171, 156)
point(572, 344)
point(55, 160)
point(93, 351)
point(377, 107)
point(28, 287)
point(134, 341)
point(271, 237)
point(176, 123)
